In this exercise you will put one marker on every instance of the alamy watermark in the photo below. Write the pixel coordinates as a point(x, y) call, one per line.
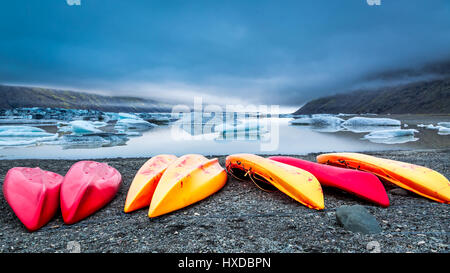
point(227, 123)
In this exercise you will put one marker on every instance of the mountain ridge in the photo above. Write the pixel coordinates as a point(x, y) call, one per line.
point(425, 97)
point(20, 96)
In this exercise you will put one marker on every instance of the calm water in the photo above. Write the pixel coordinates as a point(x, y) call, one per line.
point(287, 139)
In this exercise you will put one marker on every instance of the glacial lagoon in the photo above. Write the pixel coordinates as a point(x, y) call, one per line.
point(83, 136)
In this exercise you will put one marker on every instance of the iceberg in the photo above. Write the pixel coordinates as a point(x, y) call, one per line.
point(394, 136)
point(321, 123)
point(250, 125)
point(81, 127)
point(363, 124)
point(444, 130)
point(362, 121)
point(127, 116)
point(428, 126)
point(95, 140)
point(22, 131)
point(318, 120)
point(159, 117)
point(138, 124)
point(444, 124)
point(24, 135)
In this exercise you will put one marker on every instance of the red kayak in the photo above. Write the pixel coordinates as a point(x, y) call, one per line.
point(33, 194)
point(87, 187)
point(361, 184)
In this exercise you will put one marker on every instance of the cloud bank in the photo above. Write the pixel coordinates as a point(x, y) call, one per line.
point(225, 51)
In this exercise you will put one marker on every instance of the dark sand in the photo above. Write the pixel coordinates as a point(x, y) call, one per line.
point(239, 218)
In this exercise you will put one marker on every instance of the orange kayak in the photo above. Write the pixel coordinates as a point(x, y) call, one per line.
point(145, 181)
point(299, 184)
point(187, 180)
point(418, 179)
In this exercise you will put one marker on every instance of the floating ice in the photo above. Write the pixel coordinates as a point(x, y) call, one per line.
point(363, 124)
point(345, 115)
point(428, 126)
point(138, 124)
point(127, 116)
point(250, 125)
point(394, 136)
point(362, 121)
point(93, 140)
point(24, 135)
point(444, 124)
point(22, 131)
point(159, 117)
point(444, 130)
point(81, 127)
point(319, 120)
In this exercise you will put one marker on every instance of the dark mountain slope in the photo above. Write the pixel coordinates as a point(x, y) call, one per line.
point(17, 96)
point(431, 97)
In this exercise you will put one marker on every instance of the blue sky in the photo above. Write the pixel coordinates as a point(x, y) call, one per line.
point(249, 51)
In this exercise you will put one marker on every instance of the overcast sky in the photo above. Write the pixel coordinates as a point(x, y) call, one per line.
point(248, 51)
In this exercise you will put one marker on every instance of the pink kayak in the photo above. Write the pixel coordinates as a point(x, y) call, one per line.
point(87, 187)
point(33, 194)
point(362, 184)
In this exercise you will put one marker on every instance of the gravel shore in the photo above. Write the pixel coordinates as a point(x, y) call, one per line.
point(239, 218)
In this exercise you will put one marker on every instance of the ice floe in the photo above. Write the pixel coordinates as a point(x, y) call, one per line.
point(393, 136)
point(249, 125)
point(443, 128)
point(320, 120)
point(363, 124)
point(93, 140)
point(81, 127)
point(363, 121)
point(136, 124)
point(24, 135)
point(444, 124)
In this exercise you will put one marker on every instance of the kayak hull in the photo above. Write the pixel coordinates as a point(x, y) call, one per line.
point(87, 187)
point(362, 184)
point(145, 181)
point(418, 179)
point(186, 181)
point(33, 194)
point(299, 184)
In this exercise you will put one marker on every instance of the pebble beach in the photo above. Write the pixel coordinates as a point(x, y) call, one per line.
point(239, 218)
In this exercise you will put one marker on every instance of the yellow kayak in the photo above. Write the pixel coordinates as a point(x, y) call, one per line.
point(187, 180)
point(144, 183)
point(299, 184)
point(417, 179)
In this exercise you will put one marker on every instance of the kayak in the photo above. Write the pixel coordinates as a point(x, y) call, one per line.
point(418, 179)
point(187, 180)
point(299, 184)
point(362, 184)
point(33, 195)
point(144, 183)
point(87, 187)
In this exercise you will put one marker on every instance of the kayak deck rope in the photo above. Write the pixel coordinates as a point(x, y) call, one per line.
point(262, 184)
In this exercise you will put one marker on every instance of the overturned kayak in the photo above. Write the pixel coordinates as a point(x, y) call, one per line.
point(33, 194)
point(299, 184)
point(187, 180)
point(418, 179)
point(87, 187)
point(362, 184)
point(144, 183)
